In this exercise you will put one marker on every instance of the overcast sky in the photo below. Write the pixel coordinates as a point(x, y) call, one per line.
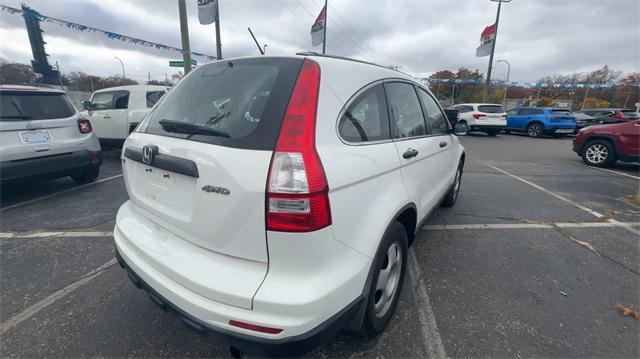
point(538, 37)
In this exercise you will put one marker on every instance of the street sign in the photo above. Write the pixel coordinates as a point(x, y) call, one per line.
point(178, 63)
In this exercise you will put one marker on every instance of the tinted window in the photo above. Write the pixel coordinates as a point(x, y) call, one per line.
point(16, 106)
point(630, 113)
point(121, 100)
point(238, 103)
point(366, 118)
point(513, 111)
point(102, 101)
point(561, 112)
point(153, 97)
point(436, 120)
point(490, 109)
point(530, 111)
point(405, 111)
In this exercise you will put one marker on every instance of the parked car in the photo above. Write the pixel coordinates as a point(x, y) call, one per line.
point(483, 117)
point(603, 145)
point(612, 115)
point(539, 121)
point(114, 112)
point(583, 120)
point(352, 165)
point(42, 136)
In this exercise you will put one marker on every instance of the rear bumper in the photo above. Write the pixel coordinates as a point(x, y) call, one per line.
point(559, 128)
point(285, 347)
point(311, 289)
point(51, 166)
point(477, 127)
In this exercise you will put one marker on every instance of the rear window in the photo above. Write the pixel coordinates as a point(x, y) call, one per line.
point(239, 103)
point(21, 106)
point(560, 112)
point(490, 109)
point(630, 113)
point(153, 97)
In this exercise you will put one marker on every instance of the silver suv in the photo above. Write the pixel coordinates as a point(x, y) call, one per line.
point(42, 136)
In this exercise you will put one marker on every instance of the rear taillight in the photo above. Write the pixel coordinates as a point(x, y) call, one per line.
point(478, 115)
point(618, 115)
point(84, 125)
point(297, 190)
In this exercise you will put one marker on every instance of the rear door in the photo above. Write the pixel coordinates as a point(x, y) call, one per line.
point(630, 138)
point(35, 123)
point(101, 103)
point(416, 149)
point(198, 165)
point(119, 114)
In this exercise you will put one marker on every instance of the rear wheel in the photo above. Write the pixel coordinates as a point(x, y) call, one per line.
point(87, 175)
point(535, 129)
point(452, 197)
point(599, 153)
point(492, 133)
point(507, 132)
point(389, 265)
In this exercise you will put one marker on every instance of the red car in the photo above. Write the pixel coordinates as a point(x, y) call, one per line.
point(602, 145)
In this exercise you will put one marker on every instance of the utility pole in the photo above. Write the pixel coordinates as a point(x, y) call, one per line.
point(324, 35)
point(586, 94)
point(218, 44)
point(59, 75)
point(493, 48)
point(149, 77)
point(184, 35)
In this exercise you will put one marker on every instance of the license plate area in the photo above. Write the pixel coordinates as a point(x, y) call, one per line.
point(35, 137)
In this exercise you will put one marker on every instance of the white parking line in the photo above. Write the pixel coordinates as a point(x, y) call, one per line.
point(548, 225)
point(430, 333)
point(612, 171)
point(37, 307)
point(3, 209)
point(565, 199)
point(36, 234)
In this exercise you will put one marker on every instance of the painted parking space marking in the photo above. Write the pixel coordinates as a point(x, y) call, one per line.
point(57, 295)
point(31, 201)
point(47, 234)
point(616, 172)
point(542, 225)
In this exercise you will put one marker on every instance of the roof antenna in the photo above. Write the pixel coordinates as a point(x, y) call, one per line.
point(256, 41)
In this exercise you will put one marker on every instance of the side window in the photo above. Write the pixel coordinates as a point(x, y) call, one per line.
point(436, 120)
point(121, 100)
point(512, 112)
point(366, 119)
point(102, 101)
point(153, 97)
point(537, 112)
point(404, 109)
point(466, 109)
point(527, 111)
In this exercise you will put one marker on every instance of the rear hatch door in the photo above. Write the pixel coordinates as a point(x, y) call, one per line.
point(198, 164)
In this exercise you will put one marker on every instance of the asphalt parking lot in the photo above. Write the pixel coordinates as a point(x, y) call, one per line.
point(531, 262)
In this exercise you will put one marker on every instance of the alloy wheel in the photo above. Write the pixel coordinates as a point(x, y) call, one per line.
point(388, 279)
point(534, 130)
point(597, 153)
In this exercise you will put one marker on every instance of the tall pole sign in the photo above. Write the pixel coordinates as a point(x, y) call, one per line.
point(488, 39)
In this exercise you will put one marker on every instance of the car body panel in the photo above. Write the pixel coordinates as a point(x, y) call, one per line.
point(520, 119)
point(624, 136)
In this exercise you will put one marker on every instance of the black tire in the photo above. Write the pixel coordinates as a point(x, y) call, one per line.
point(507, 132)
point(492, 133)
point(87, 175)
point(465, 124)
point(535, 129)
point(376, 320)
point(599, 153)
point(452, 196)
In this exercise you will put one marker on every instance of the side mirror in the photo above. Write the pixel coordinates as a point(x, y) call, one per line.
point(452, 116)
point(460, 129)
point(87, 105)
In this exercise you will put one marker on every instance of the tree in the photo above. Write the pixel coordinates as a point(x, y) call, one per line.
point(15, 73)
point(160, 83)
point(593, 102)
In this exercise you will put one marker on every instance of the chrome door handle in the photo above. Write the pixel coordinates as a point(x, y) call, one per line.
point(443, 144)
point(410, 152)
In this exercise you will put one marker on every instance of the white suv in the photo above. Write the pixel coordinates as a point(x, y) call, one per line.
point(42, 136)
point(482, 117)
point(273, 199)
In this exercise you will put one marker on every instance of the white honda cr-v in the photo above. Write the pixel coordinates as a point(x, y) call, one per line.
point(273, 199)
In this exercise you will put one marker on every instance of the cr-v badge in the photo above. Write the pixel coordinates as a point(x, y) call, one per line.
point(214, 189)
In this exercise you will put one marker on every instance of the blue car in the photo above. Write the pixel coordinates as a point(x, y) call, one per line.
point(539, 121)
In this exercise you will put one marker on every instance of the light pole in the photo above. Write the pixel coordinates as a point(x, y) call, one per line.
point(122, 64)
point(493, 48)
point(506, 85)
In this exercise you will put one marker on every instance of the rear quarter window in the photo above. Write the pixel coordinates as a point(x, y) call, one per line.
point(366, 119)
point(17, 106)
point(239, 103)
point(561, 112)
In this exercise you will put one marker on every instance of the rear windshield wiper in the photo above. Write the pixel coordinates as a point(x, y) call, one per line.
point(190, 128)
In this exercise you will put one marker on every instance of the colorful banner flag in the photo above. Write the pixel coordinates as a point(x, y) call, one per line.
point(207, 11)
point(317, 30)
point(487, 38)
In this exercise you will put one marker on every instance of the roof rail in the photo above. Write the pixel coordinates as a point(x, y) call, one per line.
point(312, 53)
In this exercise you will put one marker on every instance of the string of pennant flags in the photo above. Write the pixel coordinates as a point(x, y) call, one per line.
point(531, 84)
point(108, 34)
